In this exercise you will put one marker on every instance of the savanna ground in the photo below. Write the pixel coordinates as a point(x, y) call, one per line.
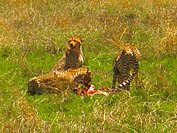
point(33, 36)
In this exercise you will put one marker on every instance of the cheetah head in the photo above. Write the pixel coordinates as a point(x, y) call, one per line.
point(84, 76)
point(128, 51)
point(74, 42)
point(82, 80)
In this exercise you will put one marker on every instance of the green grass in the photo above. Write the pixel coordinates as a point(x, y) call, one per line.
point(33, 36)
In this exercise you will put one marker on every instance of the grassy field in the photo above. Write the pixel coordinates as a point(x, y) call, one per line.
point(33, 36)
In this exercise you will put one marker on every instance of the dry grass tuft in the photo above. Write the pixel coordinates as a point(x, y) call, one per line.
point(168, 44)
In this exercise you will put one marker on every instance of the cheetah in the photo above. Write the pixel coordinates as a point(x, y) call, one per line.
point(124, 64)
point(72, 58)
point(59, 81)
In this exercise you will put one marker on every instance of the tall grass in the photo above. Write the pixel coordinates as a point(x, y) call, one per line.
point(33, 36)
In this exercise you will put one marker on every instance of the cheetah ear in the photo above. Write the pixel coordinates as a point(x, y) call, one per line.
point(69, 39)
point(88, 70)
point(81, 40)
point(79, 37)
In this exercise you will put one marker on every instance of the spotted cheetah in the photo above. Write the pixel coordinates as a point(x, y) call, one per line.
point(124, 64)
point(59, 81)
point(72, 58)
